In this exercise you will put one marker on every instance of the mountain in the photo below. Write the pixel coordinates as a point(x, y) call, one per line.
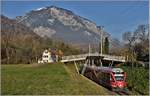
point(19, 44)
point(10, 29)
point(17, 41)
point(62, 24)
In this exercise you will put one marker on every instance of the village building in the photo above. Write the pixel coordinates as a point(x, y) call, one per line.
point(46, 57)
point(50, 56)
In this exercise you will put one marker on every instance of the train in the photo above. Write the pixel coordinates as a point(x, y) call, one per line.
point(112, 78)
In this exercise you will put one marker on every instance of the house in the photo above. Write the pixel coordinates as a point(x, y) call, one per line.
point(47, 57)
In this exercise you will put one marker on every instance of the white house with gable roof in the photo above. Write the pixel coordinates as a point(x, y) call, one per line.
point(46, 57)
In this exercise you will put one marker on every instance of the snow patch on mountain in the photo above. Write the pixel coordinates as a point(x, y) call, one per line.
point(87, 33)
point(51, 21)
point(38, 9)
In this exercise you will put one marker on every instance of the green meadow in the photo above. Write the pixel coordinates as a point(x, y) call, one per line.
point(46, 79)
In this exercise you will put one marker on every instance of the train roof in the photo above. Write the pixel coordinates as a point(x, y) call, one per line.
point(107, 69)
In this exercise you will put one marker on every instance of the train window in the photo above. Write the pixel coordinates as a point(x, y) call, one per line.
point(103, 77)
point(119, 78)
point(107, 77)
point(99, 75)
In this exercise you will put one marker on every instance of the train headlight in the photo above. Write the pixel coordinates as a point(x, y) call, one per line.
point(113, 84)
point(120, 85)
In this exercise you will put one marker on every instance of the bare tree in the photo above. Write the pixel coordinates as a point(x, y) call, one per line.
point(136, 40)
point(130, 39)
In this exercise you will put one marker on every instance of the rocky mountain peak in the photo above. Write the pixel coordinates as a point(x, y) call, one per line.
point(59, 23)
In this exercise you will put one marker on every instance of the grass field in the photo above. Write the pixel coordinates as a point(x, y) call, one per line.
point(50, 79)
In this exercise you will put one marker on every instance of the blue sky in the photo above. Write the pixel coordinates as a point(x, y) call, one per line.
point(116, 16)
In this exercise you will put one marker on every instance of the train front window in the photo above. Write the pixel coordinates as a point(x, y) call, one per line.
point(119, 78)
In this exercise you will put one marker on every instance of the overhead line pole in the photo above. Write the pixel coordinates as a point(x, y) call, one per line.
point(89, 49)
point(101, 29)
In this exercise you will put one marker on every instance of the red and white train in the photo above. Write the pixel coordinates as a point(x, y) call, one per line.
point(113, 78)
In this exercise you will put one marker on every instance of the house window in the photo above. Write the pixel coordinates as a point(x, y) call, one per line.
point(46, 56)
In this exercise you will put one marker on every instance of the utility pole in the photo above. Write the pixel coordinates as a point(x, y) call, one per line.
point(101, 29)
point(89, 49)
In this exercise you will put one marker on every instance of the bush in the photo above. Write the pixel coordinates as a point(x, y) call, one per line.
point(138, 79)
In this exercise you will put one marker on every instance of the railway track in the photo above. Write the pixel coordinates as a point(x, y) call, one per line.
point(122, 92)
point(119, 93)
